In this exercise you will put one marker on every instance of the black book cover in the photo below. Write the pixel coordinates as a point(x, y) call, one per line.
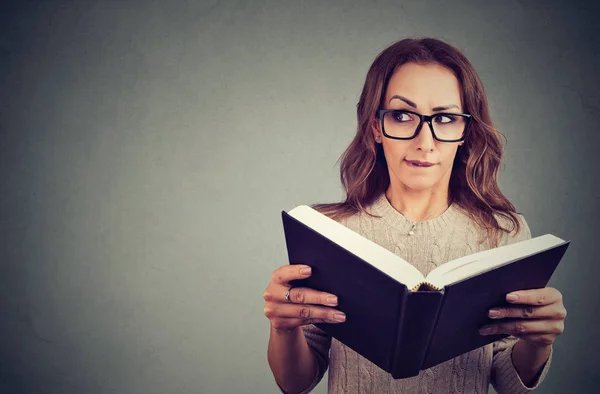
point(404, 331)
point(465, 305)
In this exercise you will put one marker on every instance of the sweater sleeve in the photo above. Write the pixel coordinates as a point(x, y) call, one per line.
point(504, 377)
point(319, 342)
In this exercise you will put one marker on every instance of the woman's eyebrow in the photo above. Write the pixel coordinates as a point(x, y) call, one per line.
point(412, 104)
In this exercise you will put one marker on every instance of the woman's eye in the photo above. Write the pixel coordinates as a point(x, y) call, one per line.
point(401, 116)
point(445, 118)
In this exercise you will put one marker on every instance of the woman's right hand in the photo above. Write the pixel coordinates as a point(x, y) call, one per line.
point(305, 305)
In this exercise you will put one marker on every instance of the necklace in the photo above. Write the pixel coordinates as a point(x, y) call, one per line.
point(412, 229)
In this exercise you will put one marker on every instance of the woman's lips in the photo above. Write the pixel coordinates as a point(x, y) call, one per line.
point(418, 164)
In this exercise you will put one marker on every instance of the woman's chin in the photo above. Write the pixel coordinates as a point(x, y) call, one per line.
point(418, 185)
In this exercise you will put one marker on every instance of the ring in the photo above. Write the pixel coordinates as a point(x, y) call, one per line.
point(287, 294)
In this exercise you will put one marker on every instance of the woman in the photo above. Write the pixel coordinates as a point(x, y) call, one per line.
point(420, 178)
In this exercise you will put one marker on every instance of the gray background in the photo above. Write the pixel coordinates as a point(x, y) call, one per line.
point(147, 150)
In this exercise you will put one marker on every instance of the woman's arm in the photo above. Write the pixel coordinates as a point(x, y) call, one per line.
point(506, 378)
point(291, 360)
point(298, 352)
point(529, 361)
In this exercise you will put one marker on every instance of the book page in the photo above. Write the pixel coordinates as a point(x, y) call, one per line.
point(374, 254)
point(477, 263)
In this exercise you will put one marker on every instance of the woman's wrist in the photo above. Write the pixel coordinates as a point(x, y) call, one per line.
point(286, 332)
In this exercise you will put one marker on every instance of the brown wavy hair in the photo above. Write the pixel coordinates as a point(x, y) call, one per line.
point(473, 182)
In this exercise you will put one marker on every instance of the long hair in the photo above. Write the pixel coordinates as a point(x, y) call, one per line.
point(473, 182)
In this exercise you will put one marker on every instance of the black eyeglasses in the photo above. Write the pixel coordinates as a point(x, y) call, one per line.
point(401, 124)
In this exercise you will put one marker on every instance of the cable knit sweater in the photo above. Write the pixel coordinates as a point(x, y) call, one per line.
point(448, 236)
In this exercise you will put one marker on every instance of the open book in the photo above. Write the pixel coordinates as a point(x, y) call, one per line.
point(395, 317)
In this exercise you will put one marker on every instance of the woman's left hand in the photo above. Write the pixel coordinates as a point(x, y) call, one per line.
point(540, 315)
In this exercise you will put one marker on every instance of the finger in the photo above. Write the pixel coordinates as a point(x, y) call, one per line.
point(520, 327)
point(305, 312)
point(553, 311)
point(286, 273)
point(306, 295)
point(300, 295)
point(543, 296)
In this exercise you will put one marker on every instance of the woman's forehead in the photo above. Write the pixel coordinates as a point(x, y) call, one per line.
point(427, 86)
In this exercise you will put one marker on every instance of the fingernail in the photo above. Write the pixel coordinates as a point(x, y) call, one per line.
point(305, 270)
point(486, 330)
point(339, 316)
point(512, 297)
point(494, 313)
point(332, 300)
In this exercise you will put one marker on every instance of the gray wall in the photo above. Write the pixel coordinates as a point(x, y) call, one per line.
point(147, 151)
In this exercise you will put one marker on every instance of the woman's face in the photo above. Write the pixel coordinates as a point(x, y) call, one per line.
point(420, 88)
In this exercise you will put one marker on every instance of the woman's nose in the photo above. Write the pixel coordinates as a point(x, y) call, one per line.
point(424, 140)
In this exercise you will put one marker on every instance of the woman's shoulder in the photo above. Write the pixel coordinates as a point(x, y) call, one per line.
point(343, 214)
point(514, 234)
point(507, 233)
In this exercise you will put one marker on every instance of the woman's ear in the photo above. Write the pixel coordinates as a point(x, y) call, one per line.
point(375, 129)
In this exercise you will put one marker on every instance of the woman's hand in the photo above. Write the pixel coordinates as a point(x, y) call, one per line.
point(540, 317)
point(304, 304)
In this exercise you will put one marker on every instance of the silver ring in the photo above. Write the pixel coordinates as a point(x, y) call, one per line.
point(287, 294)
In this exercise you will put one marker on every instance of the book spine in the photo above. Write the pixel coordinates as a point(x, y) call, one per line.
point(417, 319)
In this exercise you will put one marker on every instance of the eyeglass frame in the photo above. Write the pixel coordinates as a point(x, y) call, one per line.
point(423, 118)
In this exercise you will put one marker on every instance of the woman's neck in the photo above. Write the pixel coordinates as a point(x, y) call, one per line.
point(418, 205)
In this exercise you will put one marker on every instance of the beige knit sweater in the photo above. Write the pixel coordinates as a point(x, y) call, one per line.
point(434, 242)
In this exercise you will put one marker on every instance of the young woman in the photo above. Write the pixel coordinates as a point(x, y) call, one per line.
point(420, 179)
